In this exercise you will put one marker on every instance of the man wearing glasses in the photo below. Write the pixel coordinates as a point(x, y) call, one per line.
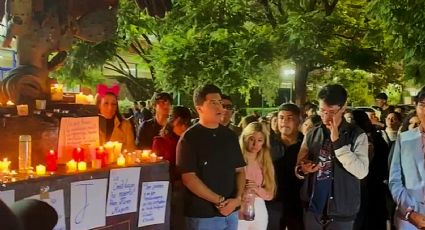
point(332, 160)
point(228, 107)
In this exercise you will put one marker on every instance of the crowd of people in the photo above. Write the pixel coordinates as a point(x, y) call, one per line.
point(326, 166)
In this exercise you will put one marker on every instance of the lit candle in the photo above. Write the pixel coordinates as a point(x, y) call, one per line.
point(56, 92)
point(80, 98)
point(121, 161)
point(51, 161)
point(96, 164)
point(145, 155)
point(82, 166)
point(109, 147)
point(5, 165)
point(40, 170)
point(90, 99)
point(117, 149)
point(10, 103)
point(71, 166)
point(153, 157)
point(100, 155)
point(78, 154)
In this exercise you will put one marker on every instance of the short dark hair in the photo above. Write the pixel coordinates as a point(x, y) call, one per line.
point(291, 108)
point(161, 96)
point(382, 96)
point(226, 97)
point(397, 115)
point(200, 94)
point(420, 96)
point(143, 103)
point(333, 94)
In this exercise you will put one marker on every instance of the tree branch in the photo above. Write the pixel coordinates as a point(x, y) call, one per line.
point(269, 13)
point(329, 7)
point(344, 36)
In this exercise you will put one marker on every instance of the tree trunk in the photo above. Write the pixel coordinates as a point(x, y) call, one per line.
point(301, 74)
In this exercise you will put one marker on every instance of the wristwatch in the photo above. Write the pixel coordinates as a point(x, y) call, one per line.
point(408, 213)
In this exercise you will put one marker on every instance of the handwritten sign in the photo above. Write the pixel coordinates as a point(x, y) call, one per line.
point(123, 191)
point(88, 203)
point(76, 132)
point(8, 197)
point(56, 200)
point(153, 203)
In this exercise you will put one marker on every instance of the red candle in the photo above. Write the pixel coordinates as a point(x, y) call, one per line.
point(78, 154)
point(51, 161)
point(101, 155)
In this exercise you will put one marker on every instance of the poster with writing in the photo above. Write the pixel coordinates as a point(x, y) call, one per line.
point(56, 200)
point(153, 203)
point(8, 197)
point(88, 204)
point(76, 132)
point(123, 191)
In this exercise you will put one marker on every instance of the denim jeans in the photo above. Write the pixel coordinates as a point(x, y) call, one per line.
point(229, 222)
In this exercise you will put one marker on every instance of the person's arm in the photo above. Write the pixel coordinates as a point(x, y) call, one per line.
point(304, 166)
point(356, 162)
point(405, 202)
point(197, 187)
point(232, 203)
point(264, 194)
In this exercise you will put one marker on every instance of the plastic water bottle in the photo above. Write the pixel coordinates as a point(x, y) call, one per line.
point(247, 207)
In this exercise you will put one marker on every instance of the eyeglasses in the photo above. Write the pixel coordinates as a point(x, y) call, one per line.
point(328, 112)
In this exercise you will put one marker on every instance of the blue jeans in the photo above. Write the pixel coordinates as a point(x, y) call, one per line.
point(229, 222)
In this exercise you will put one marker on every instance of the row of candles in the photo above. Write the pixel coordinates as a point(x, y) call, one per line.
point(107, 154)
point(56, 94)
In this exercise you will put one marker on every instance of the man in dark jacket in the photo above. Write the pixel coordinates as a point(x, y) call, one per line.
point(332, 160)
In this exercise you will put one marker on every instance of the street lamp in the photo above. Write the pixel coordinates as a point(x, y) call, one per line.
point(288, 75)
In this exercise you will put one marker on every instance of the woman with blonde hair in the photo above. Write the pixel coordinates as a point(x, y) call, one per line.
point(259, 172)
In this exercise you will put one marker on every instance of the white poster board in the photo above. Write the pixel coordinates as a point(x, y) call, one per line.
point(56, 200)
point(88, 204)
point(153, 203)
point(8, 197)
point(75, 132)
point(123, 191)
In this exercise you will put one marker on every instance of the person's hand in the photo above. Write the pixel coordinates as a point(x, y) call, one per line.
point(250, 184)
point(417, 219)
point(229, 206)
point(333, 127)
point(309, 167)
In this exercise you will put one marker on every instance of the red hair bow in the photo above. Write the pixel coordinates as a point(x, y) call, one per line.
point(102, 90)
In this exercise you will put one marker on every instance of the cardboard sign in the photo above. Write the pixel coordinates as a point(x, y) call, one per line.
point(123, 191)
point(88, 203)
point(153, 203)
point(77, 132)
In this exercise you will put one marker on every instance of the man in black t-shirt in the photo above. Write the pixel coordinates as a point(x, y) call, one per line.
point(211, 163)
point(285, 211)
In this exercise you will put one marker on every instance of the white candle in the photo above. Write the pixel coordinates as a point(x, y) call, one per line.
point(80, 98)
point(121, 161)
point(10, 103)
point(96, 164)
point(82, 166)
point(153, 157)
point(90, 99)
point(40, 170)
point(56, 92)
point(109, 146)
point(71, 166)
